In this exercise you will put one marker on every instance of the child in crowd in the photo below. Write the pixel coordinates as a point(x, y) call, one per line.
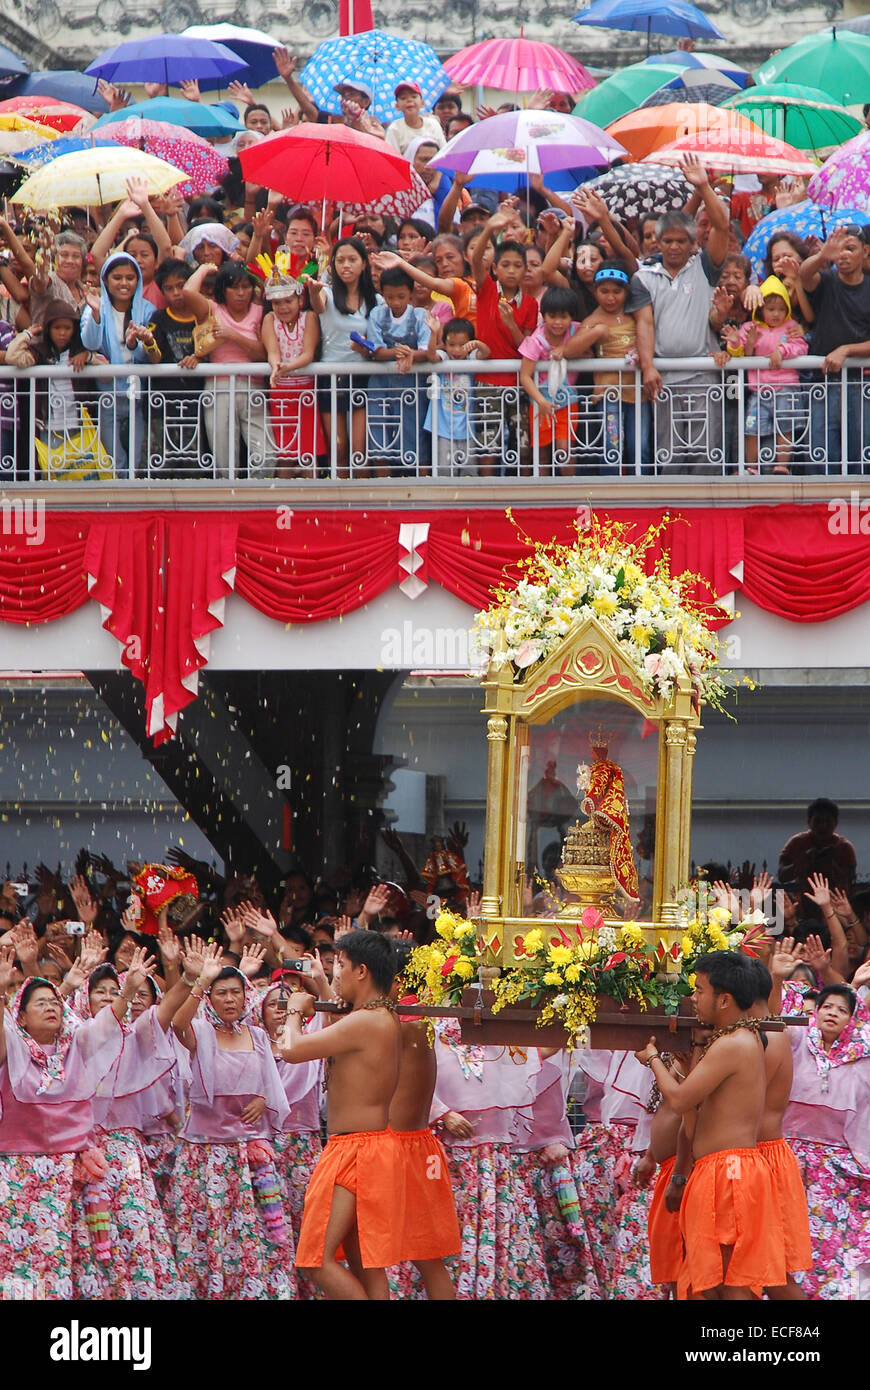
point(291, 335)
point(618, 398)
point(558, 337)
point(175, 422)
point(728, 310)
point(774, 400)
point(400, 334)
point(117, 324)
point(413, 121)
point(450, 282)
point(437, 306)
point(505, 318)
point(449, 417)
point(62, 403)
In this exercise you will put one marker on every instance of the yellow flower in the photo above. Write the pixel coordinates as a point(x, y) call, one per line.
point(605, 604)
point(588, 950)
point(444, 925)
point(533, 941)
point(632, 935)
point(553, 978)
point(691, 979)
point(640, 635)
point(572, 974)
point(559, 955)
point(462, 932)
point(687, 946)
point(718, 939)
point(464, 968)
point(719, 916)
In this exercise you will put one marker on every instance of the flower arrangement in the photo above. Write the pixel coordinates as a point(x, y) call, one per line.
point(439, 972)
point(663, 632)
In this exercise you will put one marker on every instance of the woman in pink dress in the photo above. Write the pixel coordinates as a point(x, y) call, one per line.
point(827, 1123)
point(53, 1201)
point(232, 1238)
point(482, 1105)
point(291, 336)
point(142, 1264)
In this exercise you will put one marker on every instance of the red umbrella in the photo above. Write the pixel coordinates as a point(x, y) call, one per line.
point(737, 152)
point(311, 162)
point(50, 111)
point(519, 65)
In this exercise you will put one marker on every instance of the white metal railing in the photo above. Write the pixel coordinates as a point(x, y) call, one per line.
point(439, 421)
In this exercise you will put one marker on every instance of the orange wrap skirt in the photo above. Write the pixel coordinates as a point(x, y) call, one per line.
point(730, 1200)
point(789, 1188)
point(663, 1229)
point(372, 1166)
point(431, 1227)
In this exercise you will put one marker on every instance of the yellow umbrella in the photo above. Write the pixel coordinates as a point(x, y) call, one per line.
point(96, 176)
point(20, 133)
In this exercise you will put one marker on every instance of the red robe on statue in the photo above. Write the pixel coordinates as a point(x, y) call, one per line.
point(604, 798)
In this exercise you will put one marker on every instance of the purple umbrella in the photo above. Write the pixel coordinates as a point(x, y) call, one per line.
point(169, 58)
point(528, 142)
point(844, 180)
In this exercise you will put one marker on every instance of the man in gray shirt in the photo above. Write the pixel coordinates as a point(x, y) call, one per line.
point(688, 408)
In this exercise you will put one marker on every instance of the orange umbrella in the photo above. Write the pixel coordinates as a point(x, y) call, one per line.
point(650, 127)
point(738, 152)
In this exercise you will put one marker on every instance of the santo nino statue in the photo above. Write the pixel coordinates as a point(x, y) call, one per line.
point(601, 787)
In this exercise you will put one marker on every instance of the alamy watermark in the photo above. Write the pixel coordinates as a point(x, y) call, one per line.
point(849, 516)
point(23, 516)
point(439, 648)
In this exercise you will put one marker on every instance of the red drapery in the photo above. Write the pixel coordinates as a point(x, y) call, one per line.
point(161, 577)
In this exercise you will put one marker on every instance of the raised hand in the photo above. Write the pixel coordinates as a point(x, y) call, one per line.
point(137, 192)
point(841, 905)
point(240, 91)
point(7, 968)
point(289, 118)
point(835, 244)
point(93, 951)
point(861, 976)
point(376, 902)
point(472, 905)
point(26, 946)
point(169, 945)
point(141, 966)
point(263, 222)
point(117, 97)
point(343, 925)
point(815, 955)
point(83, 898)
point(59, 956)
point(193, 955)
point(211, 965)
point(156, 89)
point(190, 89)
point(590, 204)
point(285, 62)
point(251, 959)
point(786, 956)
point(819, 892)
point(263, 923)
point(693, 171)
point(233, 923)
point(761, 886)
point(385, 260)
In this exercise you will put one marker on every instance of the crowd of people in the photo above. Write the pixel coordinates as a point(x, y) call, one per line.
point(358, 347)
point(207, 1095)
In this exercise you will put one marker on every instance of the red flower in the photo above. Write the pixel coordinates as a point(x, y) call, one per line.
point(447, 967)
point(615, 959)
point(591, 918)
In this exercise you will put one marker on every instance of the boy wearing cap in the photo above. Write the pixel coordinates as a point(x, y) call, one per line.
point(413, 122)
point(356, 98)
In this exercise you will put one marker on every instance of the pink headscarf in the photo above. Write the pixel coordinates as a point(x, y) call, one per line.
point(853, 1044)
point(248, 1014)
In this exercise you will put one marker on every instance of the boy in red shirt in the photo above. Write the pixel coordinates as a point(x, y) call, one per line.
point(505, 317)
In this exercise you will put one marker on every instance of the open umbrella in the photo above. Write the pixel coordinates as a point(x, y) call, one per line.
point(48, 150)
point(528, 142)
point(803, 219)
point(95, 176)
point(169, 58)
point(650, 17)
point(47, 111)
point(646, 130)
point(694, 85)
point(713, 62)
point(844, 180)
point(204, 165)
point(251, 45)
point(65, 84)
point(380, 61)
point(624, 91)
point(403, 203)
point(802, 116)
point(518, 65)
point(195, 116)
point(837, 63)
point(736, 151)
point(325, 161)
point(10, 63)
point(640, 190)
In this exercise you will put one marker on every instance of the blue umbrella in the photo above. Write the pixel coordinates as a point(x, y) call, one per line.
point(53, 149)
point(379, 61)
point(192, 115)
point(650, 17)
point(713, 62)
point(10, 63)
point(251, 45)
point(169, 58)
point(805, 219)
point(65, 85)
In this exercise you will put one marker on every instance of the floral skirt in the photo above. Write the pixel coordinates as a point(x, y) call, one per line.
point(223, 1244)
point(838, 1198)
point(297, 1156)
point(631, 1272)
point(141, 1264)
point(616, 1226)
point(502, 1253)
point(45, 1247)
point(160, 1151)
point(567, 1242)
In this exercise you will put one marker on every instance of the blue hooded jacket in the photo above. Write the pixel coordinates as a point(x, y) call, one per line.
point(102, 337)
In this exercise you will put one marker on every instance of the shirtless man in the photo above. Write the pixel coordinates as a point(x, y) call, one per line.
point(730, 1220)
point(355, 1200)
point(669, 1149)
point(431, 1227)
point(787, 1181)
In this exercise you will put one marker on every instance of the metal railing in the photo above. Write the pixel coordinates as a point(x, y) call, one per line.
point(437, 422)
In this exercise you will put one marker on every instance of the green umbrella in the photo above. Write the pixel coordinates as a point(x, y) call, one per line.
point(804, 117)
point(836, 61)
point(624, 91)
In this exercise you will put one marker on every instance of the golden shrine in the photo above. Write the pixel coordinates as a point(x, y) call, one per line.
point(586, 676)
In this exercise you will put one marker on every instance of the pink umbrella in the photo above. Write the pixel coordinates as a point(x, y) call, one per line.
point(202, 163)
point(519, 65)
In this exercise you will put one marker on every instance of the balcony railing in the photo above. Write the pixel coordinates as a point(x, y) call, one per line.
point(438, 422)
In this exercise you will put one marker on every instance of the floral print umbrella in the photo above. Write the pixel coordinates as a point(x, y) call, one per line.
point(641, 190)
point(204, 165)
point(844, 180)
